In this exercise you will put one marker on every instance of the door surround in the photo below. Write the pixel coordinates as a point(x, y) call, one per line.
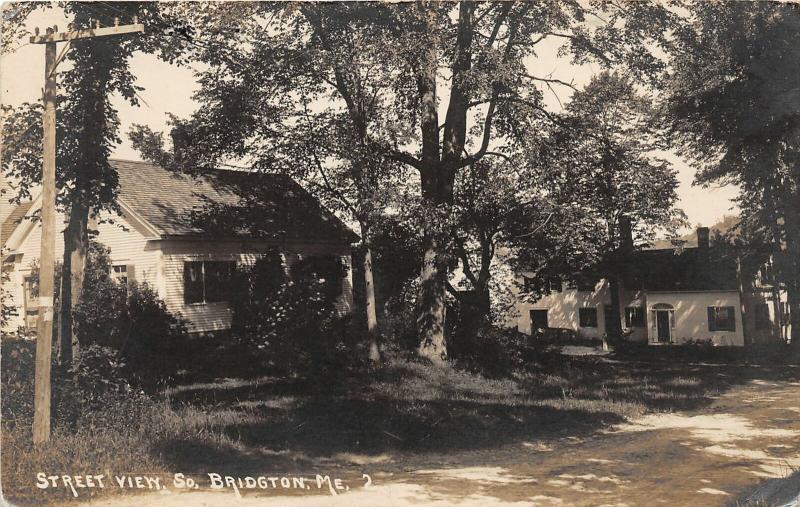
point(663, 323)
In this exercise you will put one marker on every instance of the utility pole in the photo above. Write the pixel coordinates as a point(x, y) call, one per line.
point(44, 324)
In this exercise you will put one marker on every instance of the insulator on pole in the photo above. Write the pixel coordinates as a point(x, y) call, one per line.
point(116, 21)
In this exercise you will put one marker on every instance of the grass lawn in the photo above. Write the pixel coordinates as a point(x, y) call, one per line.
point(407, 409)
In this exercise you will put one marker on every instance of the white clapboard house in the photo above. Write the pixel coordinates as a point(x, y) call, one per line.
point(181, 234)
point(669, 296)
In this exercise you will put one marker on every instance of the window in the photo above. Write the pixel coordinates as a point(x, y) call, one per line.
point(762, 319)
point(554, 284)
point(120, 274)
point(634, 317)
point(587, 317)
point(538, 320)
point(207, 281)
point(721, 318)
point(527, 284)
point(32, 287)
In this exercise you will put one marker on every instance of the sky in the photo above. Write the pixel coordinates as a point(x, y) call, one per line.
point(169, 89)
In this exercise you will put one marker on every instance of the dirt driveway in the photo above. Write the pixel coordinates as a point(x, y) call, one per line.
point(697, 458)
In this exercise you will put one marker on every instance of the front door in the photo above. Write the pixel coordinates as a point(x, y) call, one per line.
point(538, 321)
point(662, 325)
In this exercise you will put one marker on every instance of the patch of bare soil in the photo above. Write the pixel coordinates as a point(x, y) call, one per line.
point(694, 458)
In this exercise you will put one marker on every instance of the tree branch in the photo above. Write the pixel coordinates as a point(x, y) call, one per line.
point(549, 80)
point(462, 254)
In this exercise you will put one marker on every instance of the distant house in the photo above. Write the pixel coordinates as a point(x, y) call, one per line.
point(183, 234)
point(668, 296)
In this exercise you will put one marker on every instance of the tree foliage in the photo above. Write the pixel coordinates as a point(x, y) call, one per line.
point(428, 87)
point(734, 106)
point(597, 169)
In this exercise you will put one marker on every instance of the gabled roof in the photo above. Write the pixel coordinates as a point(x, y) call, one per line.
point(13, 220)
point(225, 204)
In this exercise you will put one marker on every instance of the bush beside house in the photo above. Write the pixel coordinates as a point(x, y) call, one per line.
point(287, 322)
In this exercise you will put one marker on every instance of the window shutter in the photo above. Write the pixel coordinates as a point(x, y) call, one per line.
point(131, 273)
point(712, 319)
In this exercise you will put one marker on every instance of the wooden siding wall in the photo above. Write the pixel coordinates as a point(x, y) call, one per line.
point(209, 317)
point(563, 309)
point(159, 263)
point(691, 316)
point(128, 246)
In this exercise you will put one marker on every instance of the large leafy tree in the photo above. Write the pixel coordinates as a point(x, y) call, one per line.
point(87, 131)
point(434, 87)
point(734, 103)
point(497, 208)
point(600, 159)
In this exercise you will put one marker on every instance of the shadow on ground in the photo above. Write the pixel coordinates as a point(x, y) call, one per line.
point(415, 409)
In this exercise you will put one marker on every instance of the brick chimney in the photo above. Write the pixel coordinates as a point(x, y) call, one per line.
point(625, 233)
point(703, 237)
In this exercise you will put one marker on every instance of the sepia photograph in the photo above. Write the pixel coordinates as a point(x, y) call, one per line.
point(400, 253)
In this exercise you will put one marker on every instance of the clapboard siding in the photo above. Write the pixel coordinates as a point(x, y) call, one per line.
point(159, 263)
point(127, 245)
point(13, 297)
point(27, 256)
point(207, 317)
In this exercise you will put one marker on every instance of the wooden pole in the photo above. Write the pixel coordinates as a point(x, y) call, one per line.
point(44, 325)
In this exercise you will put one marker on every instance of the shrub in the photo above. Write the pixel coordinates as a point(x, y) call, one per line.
point(399, 322)
point(93, 427)
point(96, 383)
point(16, 376)
point(493, 352)
point(130, 320)
point(288, 321)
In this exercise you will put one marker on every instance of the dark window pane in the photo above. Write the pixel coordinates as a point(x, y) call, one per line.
point(527, 284)
point(721, 318)
point(634, 316)
point(217, 278)
point(587, 317)
point(554, 284)
point(192, 282)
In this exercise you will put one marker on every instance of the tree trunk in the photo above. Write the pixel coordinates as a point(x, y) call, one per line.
point(370, 303)
point(793, 300)
point(433, 310)
point(76, 242)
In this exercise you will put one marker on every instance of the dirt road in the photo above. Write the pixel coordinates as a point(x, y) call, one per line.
point(699, 458)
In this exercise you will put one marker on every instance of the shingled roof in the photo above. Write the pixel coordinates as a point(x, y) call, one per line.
point(12, 221)
point(689, 269)
point(226, 204)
